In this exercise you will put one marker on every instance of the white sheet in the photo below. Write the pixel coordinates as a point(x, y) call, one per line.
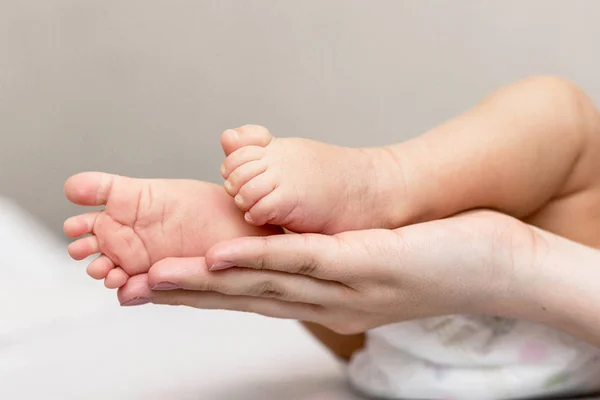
point(63, 336)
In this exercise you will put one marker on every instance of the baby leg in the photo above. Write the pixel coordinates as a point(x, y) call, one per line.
point(529, 150)
point(524, 147)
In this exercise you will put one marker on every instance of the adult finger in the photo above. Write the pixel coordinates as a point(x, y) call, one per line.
point(305, 254)
point(192, 274)
point(218, 301)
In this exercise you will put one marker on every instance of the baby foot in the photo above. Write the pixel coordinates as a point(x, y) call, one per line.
point(304, 185)
point(146, 220)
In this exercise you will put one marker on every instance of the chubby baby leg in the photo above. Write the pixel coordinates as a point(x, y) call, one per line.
point(524, 148)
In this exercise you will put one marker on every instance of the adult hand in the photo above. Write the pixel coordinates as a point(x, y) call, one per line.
point(476, 263)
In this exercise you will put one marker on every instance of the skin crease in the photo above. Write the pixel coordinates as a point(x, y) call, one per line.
point(571, 213)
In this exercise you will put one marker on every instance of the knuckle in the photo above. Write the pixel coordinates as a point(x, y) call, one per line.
point(268, 289)
point(307, 268)
point(311, 262)
point(262, 263)
point(262, 260)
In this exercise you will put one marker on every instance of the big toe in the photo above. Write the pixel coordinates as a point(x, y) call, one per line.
point(89, 188)
point(247, 135)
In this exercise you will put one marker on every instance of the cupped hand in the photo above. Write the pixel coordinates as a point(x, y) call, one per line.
point(355, 281)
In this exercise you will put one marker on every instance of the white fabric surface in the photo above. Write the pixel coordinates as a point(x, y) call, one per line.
point(474, 358)
point(63, 336)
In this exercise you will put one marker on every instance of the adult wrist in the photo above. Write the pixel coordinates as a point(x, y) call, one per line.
point(557, 285)
point(569, 294)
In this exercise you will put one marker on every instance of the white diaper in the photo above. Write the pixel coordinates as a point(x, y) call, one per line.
point(479, 358)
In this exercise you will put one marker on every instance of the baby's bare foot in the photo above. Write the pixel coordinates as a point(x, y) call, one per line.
point(304, 185)
point(146, 220)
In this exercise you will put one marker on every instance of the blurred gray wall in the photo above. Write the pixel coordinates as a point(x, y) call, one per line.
point(145, 87)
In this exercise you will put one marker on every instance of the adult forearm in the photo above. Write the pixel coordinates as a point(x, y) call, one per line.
point(571, 291)
point(560, 287)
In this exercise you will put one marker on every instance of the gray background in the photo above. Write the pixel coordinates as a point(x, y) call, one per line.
point(144, 88)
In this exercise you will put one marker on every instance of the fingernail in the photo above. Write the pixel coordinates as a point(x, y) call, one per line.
point(228, 186)
point(220, 265)
point(238, 199)
point(248, 217)
point(223, 171)
point(233, 133)
point(165, 286)
point(136, 301)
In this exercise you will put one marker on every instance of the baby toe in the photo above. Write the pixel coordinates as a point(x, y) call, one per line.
point(83, 248)
point(241, 175)
point(271, 209)
point(116, 278)
point(241, 157)
point(247, 135)
point(80, 225)
point(89, 188)
point(100, 267)
point(255, 190)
